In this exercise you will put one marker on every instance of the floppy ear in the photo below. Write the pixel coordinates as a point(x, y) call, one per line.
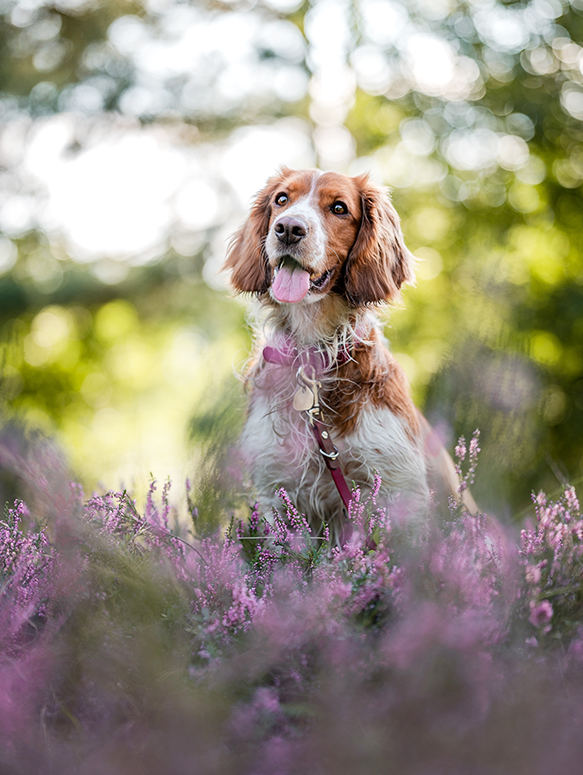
point(379, 263)
point(246, 256)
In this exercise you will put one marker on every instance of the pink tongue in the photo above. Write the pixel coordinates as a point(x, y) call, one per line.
point(291, 284)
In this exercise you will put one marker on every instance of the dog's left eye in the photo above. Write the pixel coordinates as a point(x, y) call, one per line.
point(339, 208)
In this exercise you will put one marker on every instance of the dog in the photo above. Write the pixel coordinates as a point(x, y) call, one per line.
point(322, 252)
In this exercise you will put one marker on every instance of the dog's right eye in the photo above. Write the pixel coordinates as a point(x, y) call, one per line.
point(281, 199)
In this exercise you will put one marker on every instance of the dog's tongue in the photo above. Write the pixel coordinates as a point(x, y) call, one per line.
point(291, 283)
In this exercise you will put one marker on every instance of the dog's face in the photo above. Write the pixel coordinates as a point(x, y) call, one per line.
point(310, 234)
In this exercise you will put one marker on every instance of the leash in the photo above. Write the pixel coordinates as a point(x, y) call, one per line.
point(307, 399)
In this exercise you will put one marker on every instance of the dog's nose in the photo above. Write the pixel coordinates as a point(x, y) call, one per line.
point(289, 230)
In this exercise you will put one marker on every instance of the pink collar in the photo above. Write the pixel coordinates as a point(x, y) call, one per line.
point(287, 354)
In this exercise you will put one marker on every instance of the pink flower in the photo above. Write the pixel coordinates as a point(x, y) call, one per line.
point(474, 448)
point(540, 614)
point(533, 574)
point(460, 450)
point(571, 499)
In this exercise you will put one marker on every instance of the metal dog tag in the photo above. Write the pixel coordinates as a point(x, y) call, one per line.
point(303, 399)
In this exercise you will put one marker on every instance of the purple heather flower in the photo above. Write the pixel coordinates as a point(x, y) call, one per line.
point(474, 448)
point(540, 614)
point(460, 449)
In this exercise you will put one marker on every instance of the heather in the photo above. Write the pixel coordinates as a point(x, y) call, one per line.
point(136, 639)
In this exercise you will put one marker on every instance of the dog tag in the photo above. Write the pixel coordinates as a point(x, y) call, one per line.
point(303, 399)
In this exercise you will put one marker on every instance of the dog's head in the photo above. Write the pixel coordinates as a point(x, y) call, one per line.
point(312, 233)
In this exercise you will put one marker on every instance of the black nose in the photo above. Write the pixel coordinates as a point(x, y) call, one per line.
point(289, 230)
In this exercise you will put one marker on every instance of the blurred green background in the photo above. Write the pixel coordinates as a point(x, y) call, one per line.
point(134, 135)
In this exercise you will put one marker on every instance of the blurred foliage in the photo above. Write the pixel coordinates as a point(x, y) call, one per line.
point(110, 367)
point(471, 112)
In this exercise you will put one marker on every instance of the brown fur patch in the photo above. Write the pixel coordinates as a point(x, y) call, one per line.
point(247, 257)
point(373, 378)
point(379, 262)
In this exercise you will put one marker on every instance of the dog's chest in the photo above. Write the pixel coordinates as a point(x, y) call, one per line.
point(281, 450)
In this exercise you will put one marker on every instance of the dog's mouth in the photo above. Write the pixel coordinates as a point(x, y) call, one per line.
point(292, 283)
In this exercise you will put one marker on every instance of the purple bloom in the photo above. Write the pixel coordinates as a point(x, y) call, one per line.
point(540, 614)
point(460, 449)
point(265, 648)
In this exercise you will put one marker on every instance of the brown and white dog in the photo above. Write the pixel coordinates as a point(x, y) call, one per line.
point(321, 251)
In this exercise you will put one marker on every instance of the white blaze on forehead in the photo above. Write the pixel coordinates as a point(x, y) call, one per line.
point(311, 251)
point(306, 206)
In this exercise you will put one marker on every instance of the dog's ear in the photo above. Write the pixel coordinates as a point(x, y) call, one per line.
point(379, 262)
point(246, 256)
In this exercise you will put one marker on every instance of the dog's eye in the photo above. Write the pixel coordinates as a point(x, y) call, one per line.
point(339, 208)
point(281, 199)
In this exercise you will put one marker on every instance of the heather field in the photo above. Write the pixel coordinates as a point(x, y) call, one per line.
point(132, 642)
